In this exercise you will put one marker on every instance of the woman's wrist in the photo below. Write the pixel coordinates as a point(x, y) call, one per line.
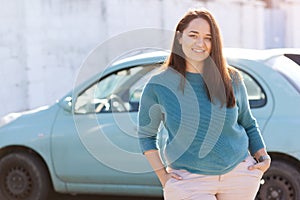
point(261, 154)
point(263, 158)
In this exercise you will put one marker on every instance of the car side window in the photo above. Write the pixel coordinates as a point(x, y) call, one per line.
point(256, 95)
point(117, 92)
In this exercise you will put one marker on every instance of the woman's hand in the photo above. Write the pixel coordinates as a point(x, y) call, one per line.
point(263, 166)
point(154, 159)
point(264, 160)
point(168, 176)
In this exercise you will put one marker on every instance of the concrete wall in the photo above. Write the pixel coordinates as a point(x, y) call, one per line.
point(292, 26)
point(44, 42)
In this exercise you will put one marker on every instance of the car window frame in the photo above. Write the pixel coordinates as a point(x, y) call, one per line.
point(254, 104)
point(153, 65)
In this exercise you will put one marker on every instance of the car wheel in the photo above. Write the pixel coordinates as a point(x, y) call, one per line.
point(281, 181)
point(23, 177)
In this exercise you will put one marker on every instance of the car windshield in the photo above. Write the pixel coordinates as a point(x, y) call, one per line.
point(287, 68)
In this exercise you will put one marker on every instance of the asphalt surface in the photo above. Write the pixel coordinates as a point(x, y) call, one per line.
point(56, 196)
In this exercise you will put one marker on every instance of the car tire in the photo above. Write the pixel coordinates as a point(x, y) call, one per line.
point(281, 181)
point(23, 177)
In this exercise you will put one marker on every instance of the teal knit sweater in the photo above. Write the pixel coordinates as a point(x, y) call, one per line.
point(202, 137)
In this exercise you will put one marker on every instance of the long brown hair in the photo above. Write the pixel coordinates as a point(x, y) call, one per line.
point(216, 74)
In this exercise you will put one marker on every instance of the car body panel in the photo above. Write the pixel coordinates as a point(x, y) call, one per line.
point(94, 163)
point(32, 130)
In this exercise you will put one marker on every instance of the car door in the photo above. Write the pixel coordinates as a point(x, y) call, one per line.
point(98, 143)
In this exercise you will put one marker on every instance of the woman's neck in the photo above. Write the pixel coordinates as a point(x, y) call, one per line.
point(194, 67)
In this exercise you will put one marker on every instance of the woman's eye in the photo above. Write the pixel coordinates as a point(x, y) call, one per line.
point(193, 36)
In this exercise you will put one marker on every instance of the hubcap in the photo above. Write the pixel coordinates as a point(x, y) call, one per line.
point(18, 183)
point(276, 187)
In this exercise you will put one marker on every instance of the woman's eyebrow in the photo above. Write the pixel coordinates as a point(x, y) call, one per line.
point(196, 32)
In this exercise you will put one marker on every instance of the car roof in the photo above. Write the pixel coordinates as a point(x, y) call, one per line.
point(142, 58)
point(256, 54)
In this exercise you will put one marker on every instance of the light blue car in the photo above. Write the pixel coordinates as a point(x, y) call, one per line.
point(87, 141)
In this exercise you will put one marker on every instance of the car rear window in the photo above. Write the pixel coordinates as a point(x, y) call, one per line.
point(288, 68)
point(294, 57)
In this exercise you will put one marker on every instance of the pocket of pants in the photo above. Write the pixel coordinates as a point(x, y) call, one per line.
point(168, 182)
point(250, 160)
point(256, 172)
point(174, 190)
point(243, 168)
point(259, 173)
point(172, 180)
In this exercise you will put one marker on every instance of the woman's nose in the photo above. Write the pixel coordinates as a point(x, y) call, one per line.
point(200, 41)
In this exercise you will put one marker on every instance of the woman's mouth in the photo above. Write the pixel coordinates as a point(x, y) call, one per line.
point(198, 50)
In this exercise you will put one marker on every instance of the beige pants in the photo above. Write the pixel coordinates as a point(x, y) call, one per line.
point(238, 184)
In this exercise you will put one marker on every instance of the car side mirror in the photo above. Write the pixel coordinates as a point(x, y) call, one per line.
point(66, 104)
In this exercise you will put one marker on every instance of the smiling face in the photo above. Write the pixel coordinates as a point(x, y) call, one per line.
point(196, 44)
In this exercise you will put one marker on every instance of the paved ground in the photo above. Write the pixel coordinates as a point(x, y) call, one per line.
point(97, 197)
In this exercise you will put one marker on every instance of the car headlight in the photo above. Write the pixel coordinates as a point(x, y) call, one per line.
point(9, 118)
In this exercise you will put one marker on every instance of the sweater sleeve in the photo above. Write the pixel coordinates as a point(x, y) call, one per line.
point(246, 119)
point(149, 118)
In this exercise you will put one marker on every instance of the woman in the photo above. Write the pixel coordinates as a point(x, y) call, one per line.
point(214, 148)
